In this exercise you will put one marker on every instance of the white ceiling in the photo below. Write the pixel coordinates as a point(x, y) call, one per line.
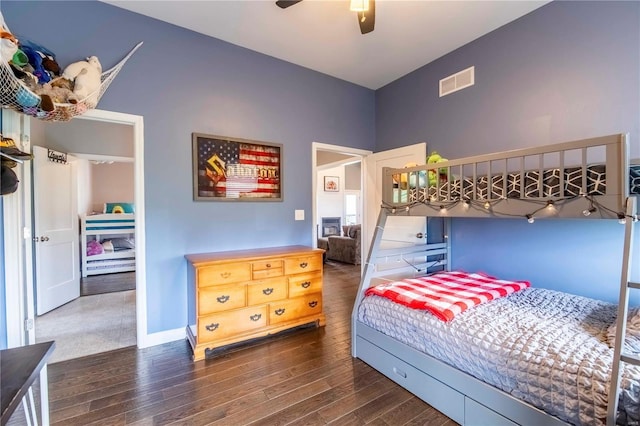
point(323, 35)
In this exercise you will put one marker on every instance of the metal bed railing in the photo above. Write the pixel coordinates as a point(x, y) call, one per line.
point(583, 178)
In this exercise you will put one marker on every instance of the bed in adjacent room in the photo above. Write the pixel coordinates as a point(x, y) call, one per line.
point(108, 240)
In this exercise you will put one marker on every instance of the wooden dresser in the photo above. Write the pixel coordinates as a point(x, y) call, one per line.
point(244, 294)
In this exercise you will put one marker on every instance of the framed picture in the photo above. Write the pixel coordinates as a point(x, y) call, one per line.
point(331, 183)
point(229, 169)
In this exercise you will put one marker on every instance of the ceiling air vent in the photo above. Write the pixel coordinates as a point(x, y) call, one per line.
point(457, 81)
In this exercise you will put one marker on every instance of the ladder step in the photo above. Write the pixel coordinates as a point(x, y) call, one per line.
point(631, 359)
point(631, 284)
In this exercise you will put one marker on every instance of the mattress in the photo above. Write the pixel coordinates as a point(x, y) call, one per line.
point(542, 346)
point(531, 184)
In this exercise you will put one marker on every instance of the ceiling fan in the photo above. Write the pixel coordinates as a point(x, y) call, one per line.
point(366, 10)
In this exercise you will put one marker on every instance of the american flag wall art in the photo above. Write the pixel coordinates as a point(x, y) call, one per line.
point(236, 169)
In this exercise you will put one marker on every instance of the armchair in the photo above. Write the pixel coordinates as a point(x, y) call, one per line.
point(346, 248)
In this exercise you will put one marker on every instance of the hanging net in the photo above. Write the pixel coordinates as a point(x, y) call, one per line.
point(16, 95)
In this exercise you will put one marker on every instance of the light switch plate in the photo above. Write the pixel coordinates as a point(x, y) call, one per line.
point(299, 214)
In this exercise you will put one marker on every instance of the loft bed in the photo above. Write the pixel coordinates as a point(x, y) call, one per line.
point(107, 243)
point(537, 356)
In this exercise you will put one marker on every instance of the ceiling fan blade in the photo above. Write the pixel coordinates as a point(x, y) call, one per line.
point(367, 19)
point(283, 4)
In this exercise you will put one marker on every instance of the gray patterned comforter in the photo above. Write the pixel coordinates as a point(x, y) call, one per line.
point(544, 347)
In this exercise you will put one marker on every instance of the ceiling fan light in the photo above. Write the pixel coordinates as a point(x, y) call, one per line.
point(359, 5)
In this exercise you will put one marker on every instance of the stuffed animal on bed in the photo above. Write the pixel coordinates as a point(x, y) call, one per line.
point(413, 178)
point(433, 174)
point(94, 248)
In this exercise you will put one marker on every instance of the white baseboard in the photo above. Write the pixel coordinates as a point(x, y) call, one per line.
point(162, 337)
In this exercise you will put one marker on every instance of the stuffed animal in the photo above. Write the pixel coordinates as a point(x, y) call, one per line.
point(414, 178)
point(8, 45)
point(433, 158)
point(86, 78)
point(57, 91)
point(35, 60)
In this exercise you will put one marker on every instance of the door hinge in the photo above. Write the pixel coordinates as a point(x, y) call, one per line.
point(28, 324)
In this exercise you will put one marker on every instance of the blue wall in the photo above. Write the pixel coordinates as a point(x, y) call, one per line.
point(184, 82)
point(566, 71)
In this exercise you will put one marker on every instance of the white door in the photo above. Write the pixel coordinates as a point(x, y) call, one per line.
point(397, 231)
point(55, 231)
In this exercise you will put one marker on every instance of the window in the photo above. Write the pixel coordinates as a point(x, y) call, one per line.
point(352, 208)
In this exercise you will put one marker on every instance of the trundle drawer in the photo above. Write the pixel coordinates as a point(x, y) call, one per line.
point(223, 274)
point(305, 283)
point(477, 414)
point(226, 324)
point(221, 298)
point(437, 394)
point(265, 291)
point(291, 309)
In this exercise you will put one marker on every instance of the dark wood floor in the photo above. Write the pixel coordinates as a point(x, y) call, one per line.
point(107, 283)
point(307, 377)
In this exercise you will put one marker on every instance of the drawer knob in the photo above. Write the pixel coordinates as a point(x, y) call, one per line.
point(267, 291)
point(304, 264)
point(255, 317)
point(280, 311)
point(306, 284)
point(213, 326)
point(222, 299)
point(225, 274)
point(313, 303)
point(268, 265)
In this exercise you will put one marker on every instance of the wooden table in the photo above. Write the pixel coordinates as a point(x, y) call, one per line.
point(19, 368)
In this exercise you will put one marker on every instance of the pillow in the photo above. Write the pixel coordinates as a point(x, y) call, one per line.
point(119, 208)
point(632, 336)
point(120, 243)
point(345, 230)
point(353, 230)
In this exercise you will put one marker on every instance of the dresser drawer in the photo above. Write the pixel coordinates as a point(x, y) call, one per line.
point(267, 268)
point(223, 274)
point(265, 291)
point(298, 264)
point(305, 283)
point(293, 309)
point(230, 323)
point(221, 298)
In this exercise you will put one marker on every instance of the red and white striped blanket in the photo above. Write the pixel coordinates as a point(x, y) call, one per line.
point(446, 294)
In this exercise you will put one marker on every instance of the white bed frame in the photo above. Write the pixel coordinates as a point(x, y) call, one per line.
point(460, 396)
point(101, 226)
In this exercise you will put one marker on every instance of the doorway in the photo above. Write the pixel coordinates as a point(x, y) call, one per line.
point(129, 304)
point(342, 201)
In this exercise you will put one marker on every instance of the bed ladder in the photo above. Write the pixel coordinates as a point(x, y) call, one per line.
point(623, 311)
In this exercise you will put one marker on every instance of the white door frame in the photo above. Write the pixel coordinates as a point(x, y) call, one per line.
point(17, 230)
point(17, 238)
point(355, 152)
point(138, 181)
